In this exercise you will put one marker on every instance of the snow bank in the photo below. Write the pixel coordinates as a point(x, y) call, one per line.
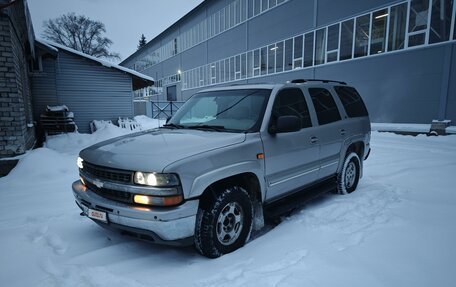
point(397, 229)
point(74, 142)
point(148, 123)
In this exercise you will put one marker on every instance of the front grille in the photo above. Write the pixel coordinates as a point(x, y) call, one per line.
point(110, 174)
point(115, 195)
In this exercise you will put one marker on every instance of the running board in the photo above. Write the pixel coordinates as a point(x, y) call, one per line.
point(297, 199)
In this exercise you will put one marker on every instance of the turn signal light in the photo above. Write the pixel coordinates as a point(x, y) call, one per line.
point(158, 201)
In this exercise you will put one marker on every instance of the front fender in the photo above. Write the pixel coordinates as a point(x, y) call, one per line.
point(202, 182)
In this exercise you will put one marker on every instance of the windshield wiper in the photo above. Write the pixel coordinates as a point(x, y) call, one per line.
point(207, 127)
point(173, 126)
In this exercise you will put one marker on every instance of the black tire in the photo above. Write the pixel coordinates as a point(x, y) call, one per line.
point(224, 223)
point(348, 177)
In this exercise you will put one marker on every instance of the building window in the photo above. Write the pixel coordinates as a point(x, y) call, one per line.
point(213, 74)
point(297, 52)
point(279, 57)
point(232, 15)
point(222, 71)
point(325, 106)
point(250, 64)
point(249, 9)
point(237, 69)
point(271, 58)
point(227, 70)
point(202, 76)
point(320, 49)
point(288, 54)
point(272, 3)
point(378, 35)
point(333, 43)
point(232, 69)
point(308, 49)
point(264, 5)
point(442, 11)
point(243, 66)
point(256, 7)
point(346, 40)
point(222, 21)
point(397, 23)
point(243, 10)
point(263, 60)
point(362, 36)
point(256, 62)
point(419, 13)
point(237, 9)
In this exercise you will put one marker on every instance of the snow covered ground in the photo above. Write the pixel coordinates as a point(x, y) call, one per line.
point(397, 229)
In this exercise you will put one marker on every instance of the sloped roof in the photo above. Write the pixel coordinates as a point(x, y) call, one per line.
point(139, 80)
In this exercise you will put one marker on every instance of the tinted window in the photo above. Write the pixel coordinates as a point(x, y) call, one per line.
point(291, 102)
point(352, 102)
point(325, 106)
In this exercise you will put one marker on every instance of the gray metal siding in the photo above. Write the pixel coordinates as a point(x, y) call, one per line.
point(92, 91)
point(395, 86)
point(233, 42)
point(403, 86)
point(451, 101)
point(44, 88)
point(282, 22)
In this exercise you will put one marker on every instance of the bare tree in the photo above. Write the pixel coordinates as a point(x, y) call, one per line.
point(80, 33)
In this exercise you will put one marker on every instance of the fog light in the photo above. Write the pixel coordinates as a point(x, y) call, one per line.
point(157, 201)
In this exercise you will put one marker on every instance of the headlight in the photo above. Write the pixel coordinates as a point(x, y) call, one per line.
point(79, 162)
point(156, 179)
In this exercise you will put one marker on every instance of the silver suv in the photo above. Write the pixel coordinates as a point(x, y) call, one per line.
point(226, 156)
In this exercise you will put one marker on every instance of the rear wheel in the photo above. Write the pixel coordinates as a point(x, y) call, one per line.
point(224, 223)
point(348, 177)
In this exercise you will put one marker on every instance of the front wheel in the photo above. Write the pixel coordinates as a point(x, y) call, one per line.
point(224, 223)
point(348, 177)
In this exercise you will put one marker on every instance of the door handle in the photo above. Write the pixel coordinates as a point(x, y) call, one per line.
point(343, 132)
point(313, 140)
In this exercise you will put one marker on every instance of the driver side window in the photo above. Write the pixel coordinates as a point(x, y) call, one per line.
point(291, 102)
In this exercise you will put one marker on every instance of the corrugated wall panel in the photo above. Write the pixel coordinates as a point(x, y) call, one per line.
point(92, 91)
point(44, 88)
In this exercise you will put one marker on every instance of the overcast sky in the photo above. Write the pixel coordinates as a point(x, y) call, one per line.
point(125, 20)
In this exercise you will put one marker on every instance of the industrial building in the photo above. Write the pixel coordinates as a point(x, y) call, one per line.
point(400, 55)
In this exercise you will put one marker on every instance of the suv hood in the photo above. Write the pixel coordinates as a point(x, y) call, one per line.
point(152, 151)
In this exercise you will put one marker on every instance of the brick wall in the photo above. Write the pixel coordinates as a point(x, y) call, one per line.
point(16, 133)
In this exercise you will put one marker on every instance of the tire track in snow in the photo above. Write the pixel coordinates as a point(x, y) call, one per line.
point(355, 216)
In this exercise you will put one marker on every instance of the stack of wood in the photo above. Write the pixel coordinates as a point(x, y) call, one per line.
point(58, 120)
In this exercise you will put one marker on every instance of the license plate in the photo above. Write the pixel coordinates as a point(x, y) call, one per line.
point(98, 215)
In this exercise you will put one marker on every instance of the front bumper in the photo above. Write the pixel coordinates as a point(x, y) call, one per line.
point(170, 225)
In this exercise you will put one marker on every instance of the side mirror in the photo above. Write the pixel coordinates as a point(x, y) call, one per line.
point(286, 124)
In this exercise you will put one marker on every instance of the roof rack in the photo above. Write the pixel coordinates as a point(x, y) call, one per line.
point(300, 81)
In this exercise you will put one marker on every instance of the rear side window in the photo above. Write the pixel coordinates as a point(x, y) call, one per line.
point(325, 106)
point(352, 102)
point(291, 102)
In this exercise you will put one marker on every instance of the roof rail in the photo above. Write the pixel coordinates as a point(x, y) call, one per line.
point(300, 81)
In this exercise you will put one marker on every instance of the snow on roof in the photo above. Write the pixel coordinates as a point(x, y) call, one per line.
point(53, 46)
point(42, 42)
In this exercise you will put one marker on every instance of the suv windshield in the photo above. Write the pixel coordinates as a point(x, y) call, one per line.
point(230, 110)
